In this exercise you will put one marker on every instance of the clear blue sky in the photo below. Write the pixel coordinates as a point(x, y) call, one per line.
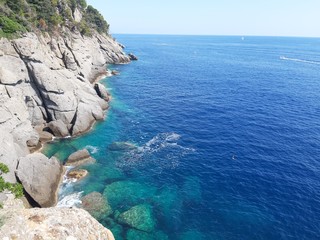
point(213, 17)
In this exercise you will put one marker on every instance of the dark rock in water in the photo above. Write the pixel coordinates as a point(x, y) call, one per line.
point(115, 72)
point(77, 174)
point(139, 217)
point(121, 146)
point(96, 205)
point(133, 234)
point(80, 157)
point(132, 57)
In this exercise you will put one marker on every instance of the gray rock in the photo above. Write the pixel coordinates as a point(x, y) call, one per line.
point(102, 91)
point(40, 177)
point(80, 157)
point(58, 128)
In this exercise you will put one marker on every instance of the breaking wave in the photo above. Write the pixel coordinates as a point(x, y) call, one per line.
point(92, 149)
point(70, 200)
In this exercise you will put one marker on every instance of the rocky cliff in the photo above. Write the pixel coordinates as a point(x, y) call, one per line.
point(48, 84)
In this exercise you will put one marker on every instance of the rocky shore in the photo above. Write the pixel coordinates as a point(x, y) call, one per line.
point(49, 88)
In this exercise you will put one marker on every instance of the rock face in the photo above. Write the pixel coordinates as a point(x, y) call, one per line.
point(77, 174)
point(40, 177)
point(49, 223)
point(80, 157)
point(48, 81)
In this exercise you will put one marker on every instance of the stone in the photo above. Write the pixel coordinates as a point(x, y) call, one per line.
point(132, 57)
point(96, 205)
point(40, 177)
point(77, 174)
point(115, 72)
point(80, 157)
point(58, 128)
point(139, 217)
point(49, 223)
point(102, 91)
point(45, 136)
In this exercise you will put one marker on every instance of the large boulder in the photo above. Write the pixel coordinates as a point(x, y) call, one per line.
point(40, 177)
point(49, 223)
point(80, 157)
point(139, 217)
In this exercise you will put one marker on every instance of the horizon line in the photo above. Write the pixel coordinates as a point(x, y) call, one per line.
point(216, 35)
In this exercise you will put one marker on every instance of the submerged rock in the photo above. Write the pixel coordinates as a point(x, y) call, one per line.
point(127, 193)
point(139, 217)
point(40, 178)
point(133, 234)
point(80, 157)
point(49, 223)
point(96, 205)
point(121, 146)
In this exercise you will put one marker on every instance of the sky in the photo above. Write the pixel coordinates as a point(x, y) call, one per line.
point(212, 17)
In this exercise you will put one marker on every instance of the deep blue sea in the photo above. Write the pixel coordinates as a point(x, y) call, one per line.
point(218, 136)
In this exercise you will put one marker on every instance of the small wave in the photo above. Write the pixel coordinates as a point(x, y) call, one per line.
point(71, 200)
point(299, 60)
point(164, 147)
point(92, 149)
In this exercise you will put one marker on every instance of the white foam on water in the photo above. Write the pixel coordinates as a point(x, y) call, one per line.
point(299, 60)
point(71, 200)
point(162, 150)
point(92, 149)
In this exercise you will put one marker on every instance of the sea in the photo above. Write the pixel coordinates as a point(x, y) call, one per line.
point(207, 137)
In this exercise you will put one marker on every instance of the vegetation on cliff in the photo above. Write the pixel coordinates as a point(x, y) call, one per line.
point(19, 16)
point(16, 188)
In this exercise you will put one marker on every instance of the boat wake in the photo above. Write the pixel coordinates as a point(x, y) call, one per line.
point(163, 150)
point(299, 60)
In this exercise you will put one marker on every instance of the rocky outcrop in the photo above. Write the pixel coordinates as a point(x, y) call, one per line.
point(40, 177)
point(77, 174)
point(132, 57)
point(96, 205)
point(49, 223)
point(48, 80)
point(80, 157)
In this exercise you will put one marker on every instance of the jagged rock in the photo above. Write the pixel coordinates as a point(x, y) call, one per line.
point(49, 223)
point(96, 205)
point(101, 91)
point(58, 128)
point(132, 57)
point(139, 217)
point(115, 72)
point(40, 177)
point(80, 157)
point(77, 174)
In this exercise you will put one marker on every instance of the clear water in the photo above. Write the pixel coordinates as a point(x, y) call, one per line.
point(227, 136)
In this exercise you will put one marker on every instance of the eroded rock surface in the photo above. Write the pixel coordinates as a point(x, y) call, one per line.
point(49, 223)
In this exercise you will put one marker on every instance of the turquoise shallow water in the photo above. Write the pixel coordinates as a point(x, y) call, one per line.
point(222, 140)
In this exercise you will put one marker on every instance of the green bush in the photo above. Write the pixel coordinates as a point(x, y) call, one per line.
point(10, 26)
point(16, 188)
